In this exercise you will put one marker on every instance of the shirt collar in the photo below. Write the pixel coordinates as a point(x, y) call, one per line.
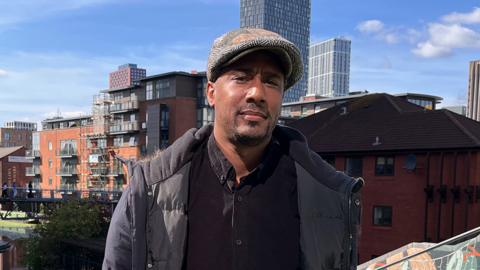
point(222, 166)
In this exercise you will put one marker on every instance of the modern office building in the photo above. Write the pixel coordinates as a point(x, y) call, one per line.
point(329, 68)
point(126, 75)
point(420, 167)
point(21, 125)
point(290, 19)
point(473, 106)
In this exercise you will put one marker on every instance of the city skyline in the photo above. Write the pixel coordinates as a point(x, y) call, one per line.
point(58, 58)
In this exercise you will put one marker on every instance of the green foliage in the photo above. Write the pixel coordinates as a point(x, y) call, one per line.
point(74, 219)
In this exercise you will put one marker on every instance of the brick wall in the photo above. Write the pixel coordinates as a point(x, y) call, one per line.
point(26, 137)
point(404, 191)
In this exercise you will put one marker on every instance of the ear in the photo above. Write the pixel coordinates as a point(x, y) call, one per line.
point(211, 93)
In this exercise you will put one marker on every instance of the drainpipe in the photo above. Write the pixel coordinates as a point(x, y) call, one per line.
point(468, 186)
point(454, 189)
point(440, 197)
point(426, 197)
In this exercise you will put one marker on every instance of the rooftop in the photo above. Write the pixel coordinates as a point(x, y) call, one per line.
point(61, 119)
point(201, 73)
point(398, 124)
point(5, 151)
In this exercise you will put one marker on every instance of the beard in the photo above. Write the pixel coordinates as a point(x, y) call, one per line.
point(250, 137)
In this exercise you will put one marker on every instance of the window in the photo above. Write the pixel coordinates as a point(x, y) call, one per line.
point(382, 216)
point(162, 88)
point(50, 163)
point(84, 122)
point(50, 145)
point(304, 110)
point(132, 158)
point(118, 97)
point(7, 136)
point(102, 143)
point(14, 144)
point(149, 91)
point(132, 118)
point(132, 140)
point(385, 166)
point(353, 166)
point(317, 108)
point(49, 180)
point(71, 123)
point(61, 125)
point(30, 137)
point(19, 137)
point(118, 140)
point(7, 144)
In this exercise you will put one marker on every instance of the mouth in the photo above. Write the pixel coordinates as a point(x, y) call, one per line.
point(251, 115)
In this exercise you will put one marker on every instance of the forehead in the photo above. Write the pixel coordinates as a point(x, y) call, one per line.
point(259, 59)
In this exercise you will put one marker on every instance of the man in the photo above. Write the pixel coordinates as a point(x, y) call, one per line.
point(243, 193)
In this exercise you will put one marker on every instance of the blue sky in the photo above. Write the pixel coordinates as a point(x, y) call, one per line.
point(55, 54)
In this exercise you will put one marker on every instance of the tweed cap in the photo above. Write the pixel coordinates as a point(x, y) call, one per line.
point(237, 43)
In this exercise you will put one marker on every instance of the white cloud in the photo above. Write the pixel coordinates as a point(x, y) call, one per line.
point(463, 18)
point(444, 38)
point(391, 38)
point(427, 49)
point(386, 64)
point(2, 73)
point(371, 26)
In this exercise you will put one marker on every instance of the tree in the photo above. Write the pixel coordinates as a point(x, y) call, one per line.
point(80, 218)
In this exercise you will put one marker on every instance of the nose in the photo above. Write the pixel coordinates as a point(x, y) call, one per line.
point(256, 91)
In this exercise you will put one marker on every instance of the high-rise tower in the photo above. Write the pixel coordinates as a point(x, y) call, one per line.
point(329, 68)
point(473, 109)
point(290, 19)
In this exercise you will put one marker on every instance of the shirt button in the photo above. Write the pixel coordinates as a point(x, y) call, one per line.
point(239, 198)
point(150, 265)
point(239, 242)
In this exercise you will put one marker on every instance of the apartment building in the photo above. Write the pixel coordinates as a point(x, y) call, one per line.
point(76, 153)
point(11, 137)
point(21, 125)
point(125, 76)
point(420, 168)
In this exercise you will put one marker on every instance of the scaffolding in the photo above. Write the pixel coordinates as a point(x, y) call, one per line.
point(94, 152)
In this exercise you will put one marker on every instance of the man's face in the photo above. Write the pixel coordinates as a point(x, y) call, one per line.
point(247, 97)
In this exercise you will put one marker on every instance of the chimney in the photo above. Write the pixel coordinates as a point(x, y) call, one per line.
point(194, 72)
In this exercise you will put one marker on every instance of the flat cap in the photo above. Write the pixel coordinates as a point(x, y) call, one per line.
point(237, 43)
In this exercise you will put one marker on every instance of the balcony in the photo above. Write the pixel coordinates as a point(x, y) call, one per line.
point(67, 171)
point(98, 170)
point(66, 152)
point(129, 106)
point(123, 128)
point(115, 171)
point(32, 171)
point(32, 154)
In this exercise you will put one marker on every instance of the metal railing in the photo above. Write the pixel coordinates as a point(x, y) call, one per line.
point(99, 151)
point(124, 106)
point(30, 171)
point(98, 170)
point(66, 152)
point(71, 187)
point(66, 170)
point(32, 153)
point(115, 170)
point(123, 127)
point(458, 252)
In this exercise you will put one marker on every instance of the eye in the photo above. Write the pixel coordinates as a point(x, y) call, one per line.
point(240, 79)
point(272, 82)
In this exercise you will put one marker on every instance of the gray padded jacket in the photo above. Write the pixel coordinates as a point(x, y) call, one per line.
point(149, 225)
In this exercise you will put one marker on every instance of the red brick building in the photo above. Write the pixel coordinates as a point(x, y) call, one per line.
point(125, 76)
point(14, 167)
point(371, 137)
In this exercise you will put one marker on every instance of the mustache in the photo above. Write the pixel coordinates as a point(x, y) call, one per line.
point(252, 107)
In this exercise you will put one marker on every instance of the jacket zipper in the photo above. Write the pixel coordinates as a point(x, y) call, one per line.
point(349, 246)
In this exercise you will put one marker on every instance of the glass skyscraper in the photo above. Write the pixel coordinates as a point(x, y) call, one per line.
point(290, 19)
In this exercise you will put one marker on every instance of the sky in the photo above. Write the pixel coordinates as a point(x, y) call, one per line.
point(56, 54)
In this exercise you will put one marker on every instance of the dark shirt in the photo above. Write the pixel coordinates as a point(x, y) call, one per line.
point(253, 226)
